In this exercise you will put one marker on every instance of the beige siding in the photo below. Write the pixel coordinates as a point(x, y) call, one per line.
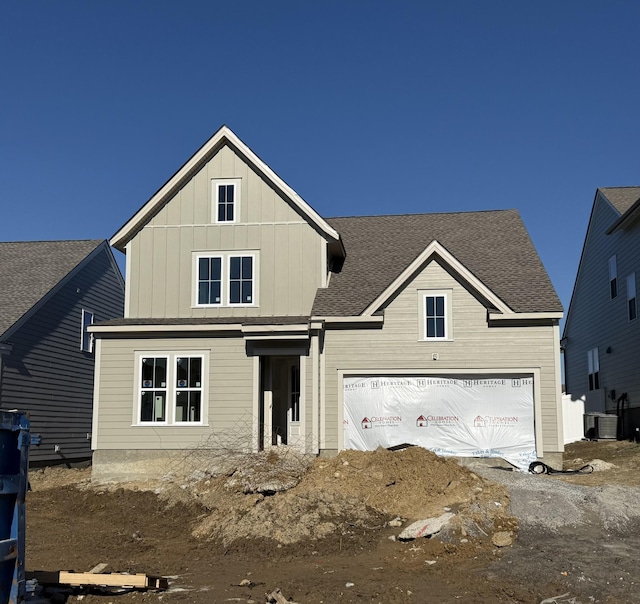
point(161, 260)
point(230, 387)
point(475, 346)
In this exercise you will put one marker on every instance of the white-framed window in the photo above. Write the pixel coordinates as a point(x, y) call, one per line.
point(225, 279)
point(631, 297)
point(86, 339)
point(593, 363)
point(435, 315)
point(613, 277)
point(171, 388)
point(225, 195)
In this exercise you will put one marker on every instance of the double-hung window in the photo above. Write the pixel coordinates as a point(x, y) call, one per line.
point(593, 362)
point(613, 277)
point(631, 296)
point(171, 389)
point(225, 200)
point(225, 279)
point(86, 339)
point(435, 315)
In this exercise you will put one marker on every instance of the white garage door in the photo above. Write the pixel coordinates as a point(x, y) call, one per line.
point(462, 416)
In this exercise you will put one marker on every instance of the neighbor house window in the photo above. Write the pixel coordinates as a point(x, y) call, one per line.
point(226, 197)
point(86, 339)
point(631, 296)
point(171, 389)
point(613, 277)
point(225, 279)
point(593, 363)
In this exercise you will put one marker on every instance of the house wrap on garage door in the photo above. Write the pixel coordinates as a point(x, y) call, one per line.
point(480, 415)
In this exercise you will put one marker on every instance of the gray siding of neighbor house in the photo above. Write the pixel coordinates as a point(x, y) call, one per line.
point(161, 278)
point(47, 375)
point(595, 320)
point(475, 346)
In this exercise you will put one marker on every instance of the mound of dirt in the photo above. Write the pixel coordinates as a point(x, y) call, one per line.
point(351, 492)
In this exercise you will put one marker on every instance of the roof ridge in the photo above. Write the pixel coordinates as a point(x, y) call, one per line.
point(424, 214)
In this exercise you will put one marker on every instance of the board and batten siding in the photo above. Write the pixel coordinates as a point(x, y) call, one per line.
point(230, 395)
point(47, 375)
point(161, 264)
point(595, 320)
point(397, 347)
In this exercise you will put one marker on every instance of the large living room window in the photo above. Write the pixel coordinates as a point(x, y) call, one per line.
point(171, 389)
point(225, 279)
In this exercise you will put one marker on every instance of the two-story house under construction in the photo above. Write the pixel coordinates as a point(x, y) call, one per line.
point(253, 322)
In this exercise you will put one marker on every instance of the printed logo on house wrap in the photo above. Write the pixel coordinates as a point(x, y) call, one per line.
point(383, 421)
point(436, 420)
point(495, 420)
point(490, 383)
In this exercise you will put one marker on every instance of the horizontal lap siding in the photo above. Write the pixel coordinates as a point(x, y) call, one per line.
point(230, 404)
point(48, 376)
point(595, 320)
point(474, 346)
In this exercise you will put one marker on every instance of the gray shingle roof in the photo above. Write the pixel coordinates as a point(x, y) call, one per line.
point(622, 198)
point(207, 321)
point(30, 269)
point(493, 245)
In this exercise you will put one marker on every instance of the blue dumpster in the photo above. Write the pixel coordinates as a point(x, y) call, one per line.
point(14, 459)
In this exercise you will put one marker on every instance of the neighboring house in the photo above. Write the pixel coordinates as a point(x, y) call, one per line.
point(251, 321)
point(50, 292)
point(602, 333)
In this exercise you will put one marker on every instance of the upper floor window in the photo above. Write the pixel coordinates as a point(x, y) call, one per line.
point(613, 277)
point(631, 296)
point(593, 362)
point(171, 389)
point(225, 279)
point(86, 339)
point(435, 311)
point(226, 198)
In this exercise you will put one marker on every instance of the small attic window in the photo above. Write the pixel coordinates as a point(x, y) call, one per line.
point(225, 196)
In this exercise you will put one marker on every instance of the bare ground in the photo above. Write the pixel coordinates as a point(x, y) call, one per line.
point(233, 538)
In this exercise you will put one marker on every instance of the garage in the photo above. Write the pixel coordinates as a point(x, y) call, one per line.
point(464, 415)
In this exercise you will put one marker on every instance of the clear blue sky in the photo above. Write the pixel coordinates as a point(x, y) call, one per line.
point(362, 107)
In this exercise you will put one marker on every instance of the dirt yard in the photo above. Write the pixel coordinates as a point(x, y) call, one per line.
point(327, 530)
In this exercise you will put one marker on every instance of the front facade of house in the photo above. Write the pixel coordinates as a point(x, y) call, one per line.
point(51, 292)
point(602, 333)
point(248, 316)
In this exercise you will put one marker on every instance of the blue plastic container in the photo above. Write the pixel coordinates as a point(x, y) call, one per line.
point(14, 463)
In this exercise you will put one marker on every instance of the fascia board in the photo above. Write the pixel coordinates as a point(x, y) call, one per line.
point(525, 316)
point(435, 248)
point(357, 319)
point(127, 231)
point(267, 329)
point(101, 329)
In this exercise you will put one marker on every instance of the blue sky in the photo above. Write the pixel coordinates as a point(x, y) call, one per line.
point(362, 107)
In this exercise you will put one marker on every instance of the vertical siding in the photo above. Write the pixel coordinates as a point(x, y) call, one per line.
point(48, 376)
point(475, 345)
point(595, 320)
point(290, 262)
point(229, 406)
